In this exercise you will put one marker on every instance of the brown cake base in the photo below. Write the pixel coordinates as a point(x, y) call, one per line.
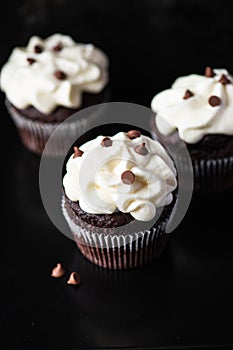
point(108, 249)
point(62, 113)
point(212, 160)
point(35, 134)
point(35, 128)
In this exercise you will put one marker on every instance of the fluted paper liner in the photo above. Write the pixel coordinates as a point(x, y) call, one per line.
point(34, 134)
point(213, 175)
point(120, 251)
point(210, 175)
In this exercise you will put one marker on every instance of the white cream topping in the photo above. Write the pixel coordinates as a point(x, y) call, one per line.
point(195, 117)
point(25, 84)
point(94, 179)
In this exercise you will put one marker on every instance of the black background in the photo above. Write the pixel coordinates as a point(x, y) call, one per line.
point(182, 300)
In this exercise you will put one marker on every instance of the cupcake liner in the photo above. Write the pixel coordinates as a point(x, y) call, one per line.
point(119, 251)
point(210, 175)
point(213, 175)
point(34, 134)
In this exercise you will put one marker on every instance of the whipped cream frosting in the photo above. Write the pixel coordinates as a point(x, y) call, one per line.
point(94, 178)
point(196, 105)
point(53, 72)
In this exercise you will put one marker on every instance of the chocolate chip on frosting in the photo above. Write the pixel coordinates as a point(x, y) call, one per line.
point(106, 142)
point(133, 134)
point(127, 177)
point(187, 94)
point(224, 80)
point(58, 271)
point(38, 49)
point(141, 149)
point(74, 279)
point(209, 73)
point(58, 47)
point(214, 101)
point(77, 152)
point(31, 60)
point(59, 74)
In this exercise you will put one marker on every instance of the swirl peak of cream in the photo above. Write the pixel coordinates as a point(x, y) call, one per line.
point(53, 72)
point(106, 177)
point(196, 105)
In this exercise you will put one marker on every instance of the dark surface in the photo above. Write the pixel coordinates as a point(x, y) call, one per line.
point(182, 300)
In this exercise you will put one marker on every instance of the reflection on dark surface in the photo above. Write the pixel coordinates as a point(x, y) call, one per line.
point(25, 179)
point(185, 297)
point(121, 314)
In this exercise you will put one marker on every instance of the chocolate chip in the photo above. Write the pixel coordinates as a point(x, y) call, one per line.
point(106, 142)
point(133, 134)
point(31, 60)
point(58, 271)
point(58, 47)
point(127, 177)
point(38, 48)
point(209, 73)
point(77, 152)
point(59, 74)
point(214, 101)
point(187, 94)
point(224, 80)
point(141, 149)
point(74, 279)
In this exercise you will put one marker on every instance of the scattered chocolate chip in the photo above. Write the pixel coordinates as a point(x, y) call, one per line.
point(38, 48)
point(31, 60)
point(59, 74)
point(127, 177)
point(187, 94)
point(58, 47)
point(106, 142)
point(58, 271)
point(77, 152)
point(209, 73)
point(141, 149)
point(214, 101)
point(133, 134)
point(74, 279)
point(224, 80)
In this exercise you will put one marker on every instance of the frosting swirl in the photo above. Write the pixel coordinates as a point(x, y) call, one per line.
point(53, 72)
point(196, 105)
point(133, 175)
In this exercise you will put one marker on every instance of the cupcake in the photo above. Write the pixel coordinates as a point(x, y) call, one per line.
point(119, 193)
point(199, 108)
point(48, 81)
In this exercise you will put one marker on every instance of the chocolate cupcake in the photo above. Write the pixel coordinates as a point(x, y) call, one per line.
point(118, 198)
point(200, 108)
point(50, 80)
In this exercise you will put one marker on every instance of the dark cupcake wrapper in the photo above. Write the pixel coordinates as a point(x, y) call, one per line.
point(213, 175)
point(34, 134)
point(119, 251)
point(210, 175)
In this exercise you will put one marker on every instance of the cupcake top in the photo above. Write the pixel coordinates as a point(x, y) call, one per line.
point(129, 172)
point(196, 105)
point(53, 72)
